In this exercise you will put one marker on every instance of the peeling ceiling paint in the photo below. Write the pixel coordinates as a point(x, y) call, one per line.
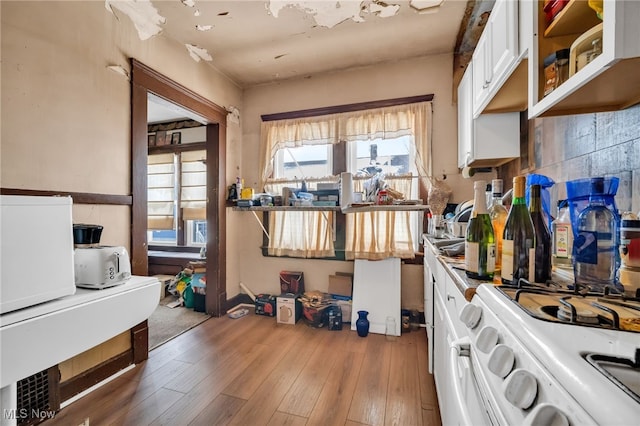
point(144, 16)
point(429, 6)
point(384, 10)
point(326, 13)
point(258, 41)
point(198, 53)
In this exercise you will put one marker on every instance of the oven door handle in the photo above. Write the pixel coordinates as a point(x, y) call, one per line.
point(459, 348)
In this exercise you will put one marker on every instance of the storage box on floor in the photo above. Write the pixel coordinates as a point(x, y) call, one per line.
point(291, 282)
point(288, 309)
point(330, 309)
point(265, 305)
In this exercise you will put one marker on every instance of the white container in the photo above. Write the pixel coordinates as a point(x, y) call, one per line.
point(36, 250)
point(288, 309)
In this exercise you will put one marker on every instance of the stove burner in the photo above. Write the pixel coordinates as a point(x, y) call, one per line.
point(583, 316)
point(566, 306)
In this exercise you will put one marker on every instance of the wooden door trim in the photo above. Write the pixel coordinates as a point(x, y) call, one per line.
point(143, 81)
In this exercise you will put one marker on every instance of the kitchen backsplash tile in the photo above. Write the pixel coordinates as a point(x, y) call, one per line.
point(586, 145)
point(618, 127)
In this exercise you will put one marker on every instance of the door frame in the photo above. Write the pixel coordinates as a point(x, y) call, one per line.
point(143, 81)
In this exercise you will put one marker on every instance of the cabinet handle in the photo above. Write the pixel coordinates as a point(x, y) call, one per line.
point(450, 297)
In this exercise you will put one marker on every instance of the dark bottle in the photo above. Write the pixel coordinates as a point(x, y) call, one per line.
point(518, 240)
point(542, 262)
point(480, 244)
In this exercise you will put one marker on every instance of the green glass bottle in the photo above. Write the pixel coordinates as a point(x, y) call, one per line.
point(518, 240)
point(480, 243)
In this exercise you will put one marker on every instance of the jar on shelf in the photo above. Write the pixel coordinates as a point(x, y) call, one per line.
point(562, 66)
point(383, 197)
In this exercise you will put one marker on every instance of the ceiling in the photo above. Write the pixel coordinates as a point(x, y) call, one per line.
point(258, 42)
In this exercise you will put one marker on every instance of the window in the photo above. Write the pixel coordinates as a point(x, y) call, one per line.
point(391, 140)
point(303, 161)
point(177, 198)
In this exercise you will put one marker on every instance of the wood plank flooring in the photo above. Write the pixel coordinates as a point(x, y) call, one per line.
point(253, 371)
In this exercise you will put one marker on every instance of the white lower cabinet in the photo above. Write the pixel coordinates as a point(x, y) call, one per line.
point(442, 336)
point(458, 397)
point(447, 328)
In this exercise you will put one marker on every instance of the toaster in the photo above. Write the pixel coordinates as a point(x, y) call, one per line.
point(101, 266)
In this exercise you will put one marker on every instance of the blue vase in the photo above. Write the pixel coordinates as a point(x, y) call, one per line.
point(362, 324)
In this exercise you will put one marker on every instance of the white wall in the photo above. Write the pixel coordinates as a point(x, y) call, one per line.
point(385, 81)
point(66, 117)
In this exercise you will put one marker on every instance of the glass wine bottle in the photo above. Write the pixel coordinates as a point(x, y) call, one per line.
point(542, 260)
point(498, 215)
point(518, 240)
point(479, 246)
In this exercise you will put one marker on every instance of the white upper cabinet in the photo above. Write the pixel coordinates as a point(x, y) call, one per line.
point(610, 81)
point(490, 139)
point(496, 55)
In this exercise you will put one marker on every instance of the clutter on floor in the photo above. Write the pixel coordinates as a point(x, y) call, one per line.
point(317, 309)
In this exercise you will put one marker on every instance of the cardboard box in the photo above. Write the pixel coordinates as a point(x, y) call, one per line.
point(288, 309)
point(340, 287)
point(266, 305)
point(291, 282)
point(315, 316)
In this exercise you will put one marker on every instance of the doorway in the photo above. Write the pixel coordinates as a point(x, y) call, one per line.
point(145, 81)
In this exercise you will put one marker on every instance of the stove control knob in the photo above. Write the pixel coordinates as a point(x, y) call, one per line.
point(501, 361)
point(487, 339)
point(521, 389)
point(546, 414)
point(470, 315)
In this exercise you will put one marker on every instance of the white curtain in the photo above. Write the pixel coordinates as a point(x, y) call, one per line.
point(161, 191)
point(388, 122)
point(380, 235)
point(372, 235)
point(193, 185)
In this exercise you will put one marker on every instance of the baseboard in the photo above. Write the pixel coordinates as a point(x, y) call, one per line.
point(91, 377)
point(238, 299)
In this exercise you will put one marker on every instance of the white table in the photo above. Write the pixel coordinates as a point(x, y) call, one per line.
point(35, 338)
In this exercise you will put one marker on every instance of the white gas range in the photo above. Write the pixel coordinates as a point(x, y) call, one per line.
point(530, 367)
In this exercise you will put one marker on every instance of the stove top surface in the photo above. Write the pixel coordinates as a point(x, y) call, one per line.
point(564, 350)
point(609, 311)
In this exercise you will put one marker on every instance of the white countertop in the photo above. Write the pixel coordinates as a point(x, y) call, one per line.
point(35, 338)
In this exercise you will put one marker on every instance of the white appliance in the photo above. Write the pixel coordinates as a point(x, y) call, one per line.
point(531, 364)
point(36, 250)
point(101, 266)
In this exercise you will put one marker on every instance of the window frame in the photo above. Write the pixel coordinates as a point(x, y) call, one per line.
point(182, 226)
point(340, 160)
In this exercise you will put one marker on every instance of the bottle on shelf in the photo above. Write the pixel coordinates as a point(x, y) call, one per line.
point(595, 248)
point(518, 240)
point(479, 246)
point(542, 258)
point(498, 214)
point(239, 186)
point(562, 238)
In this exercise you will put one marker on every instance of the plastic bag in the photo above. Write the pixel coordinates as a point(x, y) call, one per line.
point(545, 183)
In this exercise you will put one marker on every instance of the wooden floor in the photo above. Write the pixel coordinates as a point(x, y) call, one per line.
point(252, 371)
